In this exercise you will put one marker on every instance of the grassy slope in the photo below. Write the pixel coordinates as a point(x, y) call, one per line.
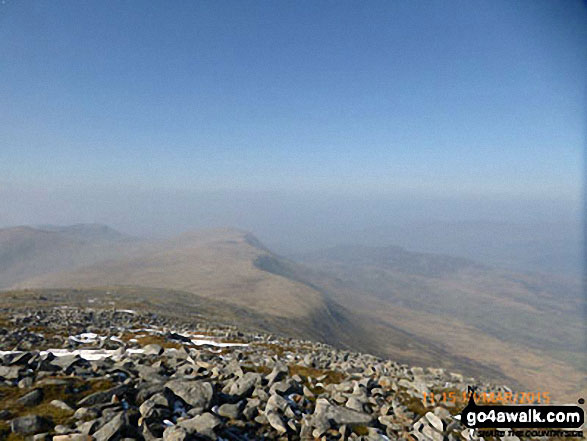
point(523, 327)
point(220, 266)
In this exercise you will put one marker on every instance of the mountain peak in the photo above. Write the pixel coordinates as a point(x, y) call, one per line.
point(90, 230)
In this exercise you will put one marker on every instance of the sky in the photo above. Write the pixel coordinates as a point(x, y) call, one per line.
point(175, 113)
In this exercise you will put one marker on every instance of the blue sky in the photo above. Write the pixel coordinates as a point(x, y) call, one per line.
point(375, 97)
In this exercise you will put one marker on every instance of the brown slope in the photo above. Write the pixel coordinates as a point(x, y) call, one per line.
point(223, 265)
point(523, 327)
point(217, 264)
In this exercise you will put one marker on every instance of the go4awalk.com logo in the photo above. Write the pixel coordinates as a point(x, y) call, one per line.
point(539, 416)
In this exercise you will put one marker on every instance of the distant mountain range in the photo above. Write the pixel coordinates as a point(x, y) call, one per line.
point(556, 247)
point(428, 309)
point(26, 252)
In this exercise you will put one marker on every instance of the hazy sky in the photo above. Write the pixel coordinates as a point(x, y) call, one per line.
point(104, 101)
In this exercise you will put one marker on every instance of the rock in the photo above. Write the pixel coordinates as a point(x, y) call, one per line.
point(259, 392)
point(307, 392)
point(146, 390)
point(73, 437)
point(21, 359)
point(276, 403)
point(197, 394)
point(261, 419)
point(88, 427)
point(10, 372)
point(429, 427)
point(85, 413)
point(202, 424)
point(103, 396)
point(443, 414)
point(243, 387)
point(276, 422)
point(61, 429)
point(283, 388)
point(279, 372)
point(434, 421)
point(355, 403)
point(232, 411)
point(457, 378)
point(374, 435)
point(61, 405)
point(52, 382)
point(233, 368)
point(151, 374)
point(152, 349)
point(251, 409)
point(30, 424)
point(67, 362)
point(158, 402)
point(109, 430)
point(25, 383)
point(175, 433)
point(178, 337)
point(325, 413)
point(33, 398)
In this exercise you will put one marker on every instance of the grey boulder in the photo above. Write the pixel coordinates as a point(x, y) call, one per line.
point(30, 424)
point(197, 394)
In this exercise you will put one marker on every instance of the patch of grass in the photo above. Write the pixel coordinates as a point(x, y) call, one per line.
point(458, 403)
point(278, 350)
point(5, 322)
point(69, 393)
point(232, 340)
point(262, 369)
point(144, 340)
point(55, 414)
point(413, 404)
point(38, 329)
point(332, 377)
point(360, 430)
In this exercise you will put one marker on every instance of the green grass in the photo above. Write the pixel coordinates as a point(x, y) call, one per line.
point(70, 393)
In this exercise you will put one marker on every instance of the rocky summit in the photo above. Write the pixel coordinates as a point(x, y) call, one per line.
point(78, 374)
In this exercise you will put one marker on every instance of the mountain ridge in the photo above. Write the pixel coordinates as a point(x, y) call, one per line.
point(413, 307)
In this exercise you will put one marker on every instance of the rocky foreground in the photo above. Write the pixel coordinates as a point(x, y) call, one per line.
point(72, 374)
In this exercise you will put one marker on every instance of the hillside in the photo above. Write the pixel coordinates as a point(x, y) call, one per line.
point(418, 308)
point(218, 265)
point(524, 326)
